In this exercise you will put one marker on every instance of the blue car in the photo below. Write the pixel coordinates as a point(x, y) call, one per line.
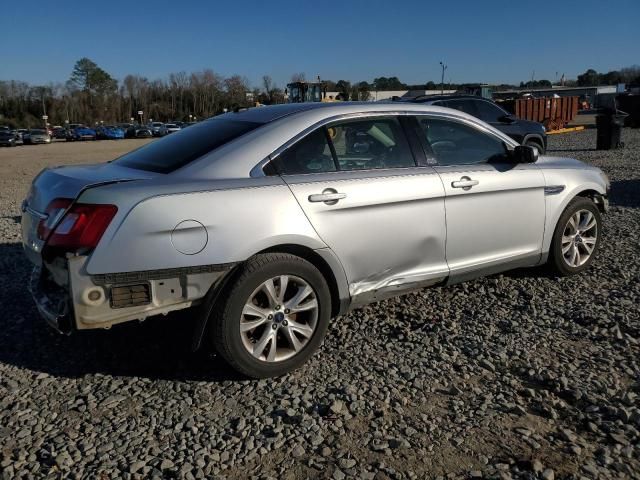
point(109, 132)
point(80, 132)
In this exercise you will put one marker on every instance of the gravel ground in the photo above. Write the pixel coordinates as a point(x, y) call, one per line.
point(513, 376)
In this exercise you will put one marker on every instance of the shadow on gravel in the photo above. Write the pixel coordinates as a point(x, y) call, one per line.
point(14, 218)
point(541, 271)
point(553, 150)
point(158, 348)
point(625, 193)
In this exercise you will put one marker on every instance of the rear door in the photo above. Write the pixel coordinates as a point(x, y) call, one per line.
point(495, 209)
point(358, 184)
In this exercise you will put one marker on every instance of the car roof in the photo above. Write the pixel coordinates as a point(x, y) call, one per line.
point(433, 98)
point(271, 113)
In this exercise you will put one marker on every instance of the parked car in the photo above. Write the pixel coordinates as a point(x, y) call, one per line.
point(9, 138)
point(80, 132)
point(141, 131)
point(158, 129)
point(37, 136)
point(59, 133)
point(172, 127)
point(275, 219)
point(18, 137)
point(524, 132)
point(109, 132)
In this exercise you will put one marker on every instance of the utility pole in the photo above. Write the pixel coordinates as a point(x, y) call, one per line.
point(45, 118)
point(444, 67)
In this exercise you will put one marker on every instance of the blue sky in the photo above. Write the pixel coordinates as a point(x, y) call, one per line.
point(485, 41)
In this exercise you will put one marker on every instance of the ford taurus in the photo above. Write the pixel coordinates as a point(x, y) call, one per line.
point(269, 222)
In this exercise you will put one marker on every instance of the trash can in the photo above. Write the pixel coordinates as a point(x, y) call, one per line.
point(609, 124)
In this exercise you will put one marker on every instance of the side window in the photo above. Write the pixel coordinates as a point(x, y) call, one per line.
point(370, 144)
point(466, 106)
point(489, 112)
point(312, 154)
point(454, 143)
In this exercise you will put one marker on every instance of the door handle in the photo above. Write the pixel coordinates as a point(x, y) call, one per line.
point(465, 183)
point(328, 196)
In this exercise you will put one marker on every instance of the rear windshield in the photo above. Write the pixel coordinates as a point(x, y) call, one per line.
point(183, 147)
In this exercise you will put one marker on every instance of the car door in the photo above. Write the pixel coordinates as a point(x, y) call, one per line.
point(358, 184)
point(495, 209)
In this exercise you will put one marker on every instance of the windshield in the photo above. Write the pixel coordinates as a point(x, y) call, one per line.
point(157, 124)
point(38, 132)
point(183, 147)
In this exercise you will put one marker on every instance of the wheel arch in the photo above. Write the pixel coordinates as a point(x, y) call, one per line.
point(328, 264)
point(534, 137)
point(595, 196)
point(323, 259)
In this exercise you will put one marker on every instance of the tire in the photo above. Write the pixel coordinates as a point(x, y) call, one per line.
point(246, 291)
point(535, 144)
point(563, 263)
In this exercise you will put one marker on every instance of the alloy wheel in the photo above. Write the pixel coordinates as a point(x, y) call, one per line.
point(579, 238)
point(279, 318)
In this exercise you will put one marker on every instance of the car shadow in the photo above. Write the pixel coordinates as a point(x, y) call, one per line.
point(158, 348)
point(13, 218)
point(554, 150)
point(625, 193)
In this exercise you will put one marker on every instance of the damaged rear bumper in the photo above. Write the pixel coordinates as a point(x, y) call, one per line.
point(68, 298)
point(52, 301)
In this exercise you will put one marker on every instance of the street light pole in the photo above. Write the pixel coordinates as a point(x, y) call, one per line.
point(444, 67)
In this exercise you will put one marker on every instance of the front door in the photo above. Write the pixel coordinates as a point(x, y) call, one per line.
point(495, 209)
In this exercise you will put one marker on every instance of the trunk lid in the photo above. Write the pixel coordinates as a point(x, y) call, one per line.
point(65, 182)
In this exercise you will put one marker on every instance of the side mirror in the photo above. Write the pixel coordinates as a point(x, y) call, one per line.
point(510, 118)
point(525, 154)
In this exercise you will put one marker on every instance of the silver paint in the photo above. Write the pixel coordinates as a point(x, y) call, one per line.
point(381, 232)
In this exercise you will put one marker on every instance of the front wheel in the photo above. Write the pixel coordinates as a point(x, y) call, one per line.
point(272, 317)
point(535, 144)
point(576, 238)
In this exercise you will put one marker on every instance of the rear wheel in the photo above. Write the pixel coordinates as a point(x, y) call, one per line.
point(272, 317)
point(576, 238)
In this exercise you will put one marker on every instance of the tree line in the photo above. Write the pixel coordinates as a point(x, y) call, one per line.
point(92, 95)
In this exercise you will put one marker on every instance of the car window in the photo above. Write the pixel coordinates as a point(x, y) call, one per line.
point(466, 105)
point(177, 150)
point(454, 143)
point(489, 112)
point(312, 154)
point(370, 144)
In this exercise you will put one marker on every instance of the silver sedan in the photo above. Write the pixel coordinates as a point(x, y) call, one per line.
point(269, 222)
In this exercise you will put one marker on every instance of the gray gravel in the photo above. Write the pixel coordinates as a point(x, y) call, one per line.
point(519, 375)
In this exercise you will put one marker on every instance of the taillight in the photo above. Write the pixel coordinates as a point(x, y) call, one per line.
point(54, 212)
point(81, 226)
